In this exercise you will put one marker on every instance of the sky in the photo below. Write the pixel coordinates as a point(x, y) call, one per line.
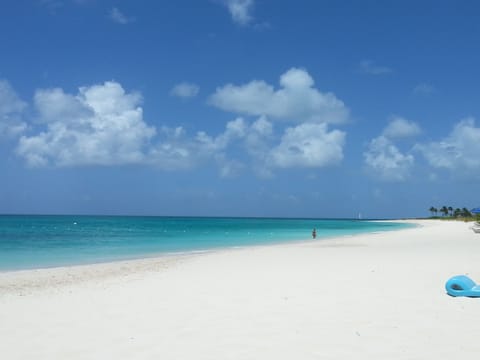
point(268, 108)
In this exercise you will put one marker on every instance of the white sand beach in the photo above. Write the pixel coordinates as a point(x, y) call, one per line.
point(374, 296)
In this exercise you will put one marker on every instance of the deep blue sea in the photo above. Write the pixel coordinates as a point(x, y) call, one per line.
point(28, 242)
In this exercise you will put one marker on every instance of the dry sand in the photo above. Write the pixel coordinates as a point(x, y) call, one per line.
point(375, 296)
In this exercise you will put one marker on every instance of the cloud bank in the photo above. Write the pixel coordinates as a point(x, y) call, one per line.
point(103, 125)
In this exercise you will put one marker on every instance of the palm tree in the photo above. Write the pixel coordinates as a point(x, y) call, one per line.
point(432, 210)
point(457, 212)
point(466, 212)
point(444, 210)
point(450, 209)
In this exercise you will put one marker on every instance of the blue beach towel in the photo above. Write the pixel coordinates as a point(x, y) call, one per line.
point(462, 285)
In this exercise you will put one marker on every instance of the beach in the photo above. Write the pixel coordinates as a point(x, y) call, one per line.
point(369, 296)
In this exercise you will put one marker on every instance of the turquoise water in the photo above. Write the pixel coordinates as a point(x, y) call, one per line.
point(28, 242)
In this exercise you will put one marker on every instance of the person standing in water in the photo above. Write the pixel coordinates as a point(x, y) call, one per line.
point(314, 233)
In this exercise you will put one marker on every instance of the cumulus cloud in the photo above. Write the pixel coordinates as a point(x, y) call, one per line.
point(256, 139)
point(175, 150)
point(185, 90)
point(240, 10)
point(386, 160)
point(11, 110)
point(295, 100)
point(308, 145)
point(100, 125)
point(103, 125)
point(459, 151)
point(54, 105)
point(257, 142)
point(369, 67)
point(233, 130)
point(120, 18)
point(401, 128)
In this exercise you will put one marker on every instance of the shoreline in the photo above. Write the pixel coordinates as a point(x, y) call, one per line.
point(160, 255)
point(369, 296)
point(44, 277)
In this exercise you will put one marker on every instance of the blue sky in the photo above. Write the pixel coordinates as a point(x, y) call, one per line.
point(239, 107)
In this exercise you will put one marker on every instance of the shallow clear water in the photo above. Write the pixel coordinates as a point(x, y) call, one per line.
point(45, 241)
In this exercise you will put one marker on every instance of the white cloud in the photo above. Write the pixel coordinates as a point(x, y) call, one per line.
point(11, 110)
point(459, 151)
point(185, 90)
point(259, 132)
point(369, 67)
point(386, 161)
point(423, 89)
point(176, 151)
point(233, 130)
point(262, 126)
point(101, 125)
point(308, 145)
point(173, 151)
point(120, 18)
point(53, 105)
point(240, 10)
point(10, 103)
point(296, 100)
point(400, 128)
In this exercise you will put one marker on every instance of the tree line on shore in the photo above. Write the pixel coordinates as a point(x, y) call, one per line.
point(448, 211)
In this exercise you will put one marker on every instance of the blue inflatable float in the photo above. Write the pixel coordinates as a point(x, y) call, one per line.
point(462, 285)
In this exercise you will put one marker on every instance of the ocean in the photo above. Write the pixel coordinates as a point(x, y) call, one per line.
point(29, 242)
